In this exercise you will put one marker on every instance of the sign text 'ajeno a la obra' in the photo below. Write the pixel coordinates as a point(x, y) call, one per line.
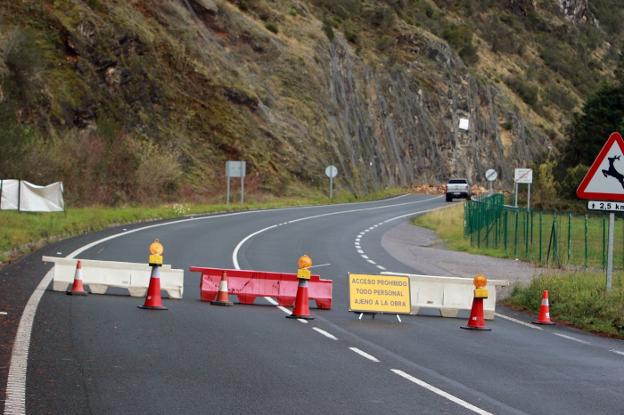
point(379, 294)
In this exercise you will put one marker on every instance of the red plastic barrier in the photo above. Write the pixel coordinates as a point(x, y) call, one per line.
point(247, 285)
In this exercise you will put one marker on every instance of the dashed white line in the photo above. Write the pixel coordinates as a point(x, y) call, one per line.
point(572, 338)
point(324, 333)
point(364, 354)
point(440, 392)
point(531, 326)
point(371, 261)
point(381, 267)
point(364, 256)
point(359, 251)
point(617, 351)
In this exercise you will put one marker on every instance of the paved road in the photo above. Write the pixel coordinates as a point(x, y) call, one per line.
point(102, 355)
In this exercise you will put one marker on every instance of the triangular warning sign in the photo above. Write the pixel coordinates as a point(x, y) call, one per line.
point(605, 178)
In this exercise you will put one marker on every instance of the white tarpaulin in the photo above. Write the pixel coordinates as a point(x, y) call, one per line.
point(28, 197)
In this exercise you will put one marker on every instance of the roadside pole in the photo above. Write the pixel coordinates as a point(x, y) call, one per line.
point(610, 251)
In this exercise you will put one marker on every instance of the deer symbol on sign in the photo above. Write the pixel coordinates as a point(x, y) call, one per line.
point(612, 171)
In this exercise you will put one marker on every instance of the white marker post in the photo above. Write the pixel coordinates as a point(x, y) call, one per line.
point(331, 172)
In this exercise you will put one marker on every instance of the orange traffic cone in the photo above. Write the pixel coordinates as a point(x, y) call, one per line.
point(77, 287)
point(153, 300)
point(302, 308)
point(544, 312)
point(223, 296)
point(476, 320)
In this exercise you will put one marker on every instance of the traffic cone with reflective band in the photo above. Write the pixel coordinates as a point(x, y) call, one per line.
point(544, 312)
point(153, 300)
point(223, 296)
point(77, 287)
point(476, 320)
point(302, 308)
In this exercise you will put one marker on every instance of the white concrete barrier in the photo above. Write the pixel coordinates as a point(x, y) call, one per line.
point(100, 275)
point(449, 294)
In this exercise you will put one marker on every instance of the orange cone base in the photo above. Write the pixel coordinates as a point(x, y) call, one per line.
point(545, 323)
point(476, 328)
point(224, 303)
point(82, 293)
point(153, 307)
point(306, 317)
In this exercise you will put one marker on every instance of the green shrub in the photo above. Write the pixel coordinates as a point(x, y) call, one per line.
point(272, 27)
point(525, 90)
point(329, 30)
point(559, 96)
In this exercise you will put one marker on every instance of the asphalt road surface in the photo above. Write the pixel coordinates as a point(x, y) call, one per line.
point(102, 355)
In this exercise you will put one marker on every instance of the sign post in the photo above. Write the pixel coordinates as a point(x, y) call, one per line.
point(525, 176)
point(490, 176)
point(331, 172)
point(604, 183)
point(235, 169)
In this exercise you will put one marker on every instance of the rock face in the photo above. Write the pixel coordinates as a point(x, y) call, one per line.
point(179, 87)
point(577, 11)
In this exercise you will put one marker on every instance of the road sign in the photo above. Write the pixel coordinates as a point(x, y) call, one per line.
point(491, 175)
point(523, 175)
point(606, 206)
point(605, 178)
point(379, 294)
point(235, 168)
point(331, 171)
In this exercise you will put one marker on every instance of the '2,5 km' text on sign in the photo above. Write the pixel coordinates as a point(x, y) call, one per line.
point(379, 294)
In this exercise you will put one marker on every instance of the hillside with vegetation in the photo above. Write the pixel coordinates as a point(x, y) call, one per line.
point(144, 100)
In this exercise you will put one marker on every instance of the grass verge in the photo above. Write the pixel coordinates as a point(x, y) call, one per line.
point(576, 298)
point(23, 232)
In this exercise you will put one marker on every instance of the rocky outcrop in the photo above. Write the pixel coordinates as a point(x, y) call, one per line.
point(577, 11)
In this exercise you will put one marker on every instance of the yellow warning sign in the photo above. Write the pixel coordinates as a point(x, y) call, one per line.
point(379, 293)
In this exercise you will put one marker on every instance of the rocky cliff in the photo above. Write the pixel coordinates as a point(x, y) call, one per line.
point(146, 99)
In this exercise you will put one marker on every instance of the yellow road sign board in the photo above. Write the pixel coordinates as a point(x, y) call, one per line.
point(379, 294)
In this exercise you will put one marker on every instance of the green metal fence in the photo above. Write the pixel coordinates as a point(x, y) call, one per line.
point(546, 238)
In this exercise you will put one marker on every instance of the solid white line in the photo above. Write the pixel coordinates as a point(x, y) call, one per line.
point(440, 392)
point(364, 354)
point(531, 326)
point(15, 402)
point(572, 338)
point(320, 265)
point(617, 351)
point(324, 333)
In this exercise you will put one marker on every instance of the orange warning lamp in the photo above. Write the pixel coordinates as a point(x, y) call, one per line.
point(304, 263)
point(156, 249)
point(480, 281)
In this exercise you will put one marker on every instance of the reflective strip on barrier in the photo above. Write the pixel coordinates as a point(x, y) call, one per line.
point(100, 275)
point(247, 285)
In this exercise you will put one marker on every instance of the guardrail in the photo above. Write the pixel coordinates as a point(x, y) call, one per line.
point(101, 275)
point(247, 285)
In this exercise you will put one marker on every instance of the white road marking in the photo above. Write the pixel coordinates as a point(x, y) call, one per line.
point(381, 267)
point(531, 326)
point(320, 265)
point(324, 333)
point(371, 261)
point(359, 251)
point(15, 403)
point(271, 300)
point(572, 338)
point(302, 321)
point(617, 351)
point(440, 392)
point(364, 354)
point(3, 313)
point(364, 256)
point(284, 309)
